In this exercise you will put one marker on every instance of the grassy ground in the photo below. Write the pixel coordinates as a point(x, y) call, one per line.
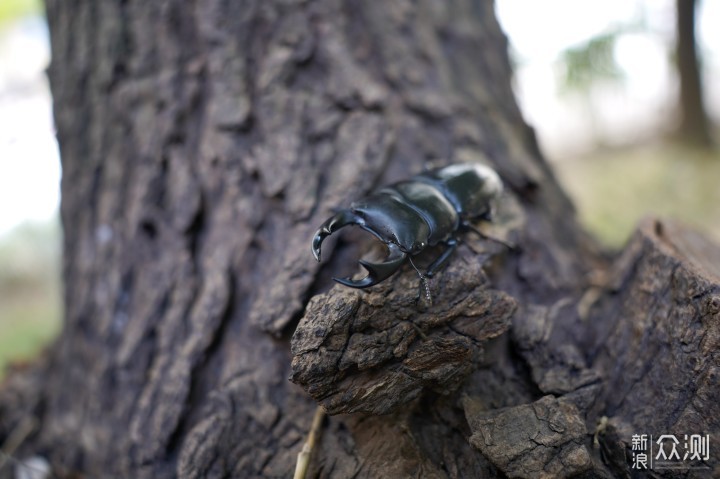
point(29, 292)
point(28, 321)
point(613, 190)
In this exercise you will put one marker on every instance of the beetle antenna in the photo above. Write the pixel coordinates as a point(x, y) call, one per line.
point(423, 282)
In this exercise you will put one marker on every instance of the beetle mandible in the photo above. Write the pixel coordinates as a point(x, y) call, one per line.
point(429, 209)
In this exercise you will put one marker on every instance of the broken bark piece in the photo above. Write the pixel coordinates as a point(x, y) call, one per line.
point(375, 351)
point(544, 337)
point(543, 439)
point(657, 337)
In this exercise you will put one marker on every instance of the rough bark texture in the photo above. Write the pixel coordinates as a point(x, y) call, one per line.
point(203, 143)
point(359, 352)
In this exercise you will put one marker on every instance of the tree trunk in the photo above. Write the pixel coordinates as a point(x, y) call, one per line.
point(694, 124)
point(202, 144)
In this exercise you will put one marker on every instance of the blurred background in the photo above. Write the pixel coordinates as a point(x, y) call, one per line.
point(30, 234)
point(623, 94)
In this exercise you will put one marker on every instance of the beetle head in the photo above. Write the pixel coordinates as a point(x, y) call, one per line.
point(377, 272)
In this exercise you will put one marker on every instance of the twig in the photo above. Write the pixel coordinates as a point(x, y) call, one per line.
point(303, 460)
point(16, 438)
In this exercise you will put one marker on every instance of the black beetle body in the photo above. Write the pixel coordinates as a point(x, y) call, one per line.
point(428, 209)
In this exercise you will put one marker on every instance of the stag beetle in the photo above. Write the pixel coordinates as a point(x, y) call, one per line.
point(428, 209)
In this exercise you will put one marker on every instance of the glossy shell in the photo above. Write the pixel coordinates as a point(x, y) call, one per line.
point(408, 216)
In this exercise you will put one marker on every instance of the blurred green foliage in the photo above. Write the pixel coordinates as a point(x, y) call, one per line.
point(13, 9)
point(591, 62)
point(30, 305)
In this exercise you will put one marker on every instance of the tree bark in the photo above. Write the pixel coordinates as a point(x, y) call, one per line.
point(202, 144)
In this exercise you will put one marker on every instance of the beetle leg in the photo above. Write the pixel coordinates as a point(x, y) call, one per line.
point(442, 259)
point(377, 271)
point(334, 223)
